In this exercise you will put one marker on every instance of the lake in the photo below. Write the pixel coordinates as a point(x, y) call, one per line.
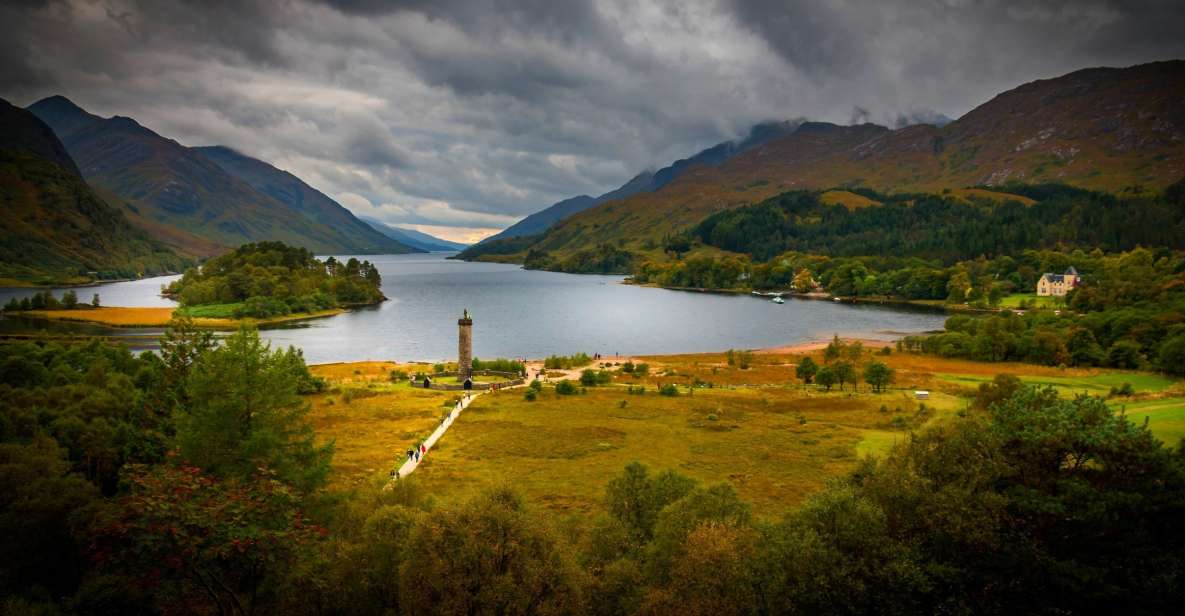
point(521, 313)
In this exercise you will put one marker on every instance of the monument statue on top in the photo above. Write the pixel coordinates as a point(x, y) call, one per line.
point(464, 347)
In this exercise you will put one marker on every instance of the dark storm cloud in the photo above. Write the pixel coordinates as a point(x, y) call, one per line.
point(473, 113)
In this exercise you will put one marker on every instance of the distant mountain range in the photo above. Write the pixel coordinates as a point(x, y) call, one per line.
point(647, 181)
point(1111, 129)
point(54, 227)
point(416, 239)
point(203, 200)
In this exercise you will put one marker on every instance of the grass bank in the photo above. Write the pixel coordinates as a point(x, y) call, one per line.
point(159, 317)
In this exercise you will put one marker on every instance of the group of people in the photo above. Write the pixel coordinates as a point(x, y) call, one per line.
point(415, 454)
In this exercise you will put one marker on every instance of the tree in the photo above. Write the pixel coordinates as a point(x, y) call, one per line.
point(95, 300)
point(490, 556)
point(70, 300)
point(1172, 355)
point(803, 282)
point(834, 350)
point(845, 372)
point(1125, 354)
point(826, 377)
point(244, 411)
point(38, 511)
point(193, 539)
point(878, 375)
point(806, 370)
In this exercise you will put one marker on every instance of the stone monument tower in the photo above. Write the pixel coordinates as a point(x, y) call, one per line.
point(464, 346)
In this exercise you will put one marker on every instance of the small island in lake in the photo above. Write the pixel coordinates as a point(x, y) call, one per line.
point(266, 280)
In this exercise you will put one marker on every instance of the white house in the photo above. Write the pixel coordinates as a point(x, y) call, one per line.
point(1058, 284)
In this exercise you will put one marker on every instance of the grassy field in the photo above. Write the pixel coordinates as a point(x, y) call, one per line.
point(159, 317)
point(775, 440)
point(1165, 416)
point(1039, 301)
point(371, 420)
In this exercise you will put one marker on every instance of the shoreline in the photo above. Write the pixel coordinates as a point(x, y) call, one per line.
point(152, 317)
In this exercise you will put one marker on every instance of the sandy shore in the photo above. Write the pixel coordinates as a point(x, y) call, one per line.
point(818, 345)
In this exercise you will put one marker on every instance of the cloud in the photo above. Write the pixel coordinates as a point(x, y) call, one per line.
point(470, 114)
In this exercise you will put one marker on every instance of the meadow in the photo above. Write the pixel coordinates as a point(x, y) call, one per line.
point(774, 439)
point(372, 420)
point(211, 317)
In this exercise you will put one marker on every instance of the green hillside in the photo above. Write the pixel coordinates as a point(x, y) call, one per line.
point(169, 184)
point(55, 229)
point(1113, 130)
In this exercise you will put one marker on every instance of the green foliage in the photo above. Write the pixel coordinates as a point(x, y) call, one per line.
point(195, 540)
point(499, 365)
point(566, 362)
point(603, 259)
point(492, 555)
point(566, 388)
point(845, 372)
point(944, 228)
point(878, 375)
point(826, 377)
point(670, 390)
point(269, 279)
point(244, 412)
point(592, 378)
point(806, 370)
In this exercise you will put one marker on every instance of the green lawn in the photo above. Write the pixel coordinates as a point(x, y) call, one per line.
point(1014, 300)
point(212, 311)
point(1166, 417)
point(1096, 384)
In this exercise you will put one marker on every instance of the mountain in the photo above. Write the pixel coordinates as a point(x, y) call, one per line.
point(54, 228)
point(646, 181)
point(1107, 129)
point(312, 203)
point(170, 185)
point(416, 239)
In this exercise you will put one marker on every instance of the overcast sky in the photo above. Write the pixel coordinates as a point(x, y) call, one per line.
point(461, 117)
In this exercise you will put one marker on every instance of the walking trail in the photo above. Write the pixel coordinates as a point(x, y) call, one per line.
point(411, 464)
point(534, 368)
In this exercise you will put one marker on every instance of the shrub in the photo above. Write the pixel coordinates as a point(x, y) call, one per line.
point(535, 385)
point(530, 395)
point(567, 362)
point(565, 388)
point(397, 375)
point(592, 378)
point(670, 389)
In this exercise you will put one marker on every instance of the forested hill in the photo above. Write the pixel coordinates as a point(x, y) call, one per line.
point(1108, 129)
point(270, 279)
point(173, 186)
point(54, 228)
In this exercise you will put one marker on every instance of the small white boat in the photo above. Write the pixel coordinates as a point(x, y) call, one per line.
point(778, 300)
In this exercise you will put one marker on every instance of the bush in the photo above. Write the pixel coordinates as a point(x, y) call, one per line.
point(592, 378)
point(641, 369)
point(628, 367)
point(499, 365)
point(565, 388)
point(530, 395)
point(670, 389)
point(567, 362)
point(536, 385)
point(397, 375)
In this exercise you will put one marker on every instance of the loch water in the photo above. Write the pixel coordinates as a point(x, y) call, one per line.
point(521, 313)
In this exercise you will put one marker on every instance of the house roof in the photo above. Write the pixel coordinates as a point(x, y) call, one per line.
point(1071, 271)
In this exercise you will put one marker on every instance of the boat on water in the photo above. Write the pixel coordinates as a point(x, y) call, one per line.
point(778, 300)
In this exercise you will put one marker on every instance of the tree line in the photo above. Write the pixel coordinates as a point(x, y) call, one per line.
point(271, 278)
